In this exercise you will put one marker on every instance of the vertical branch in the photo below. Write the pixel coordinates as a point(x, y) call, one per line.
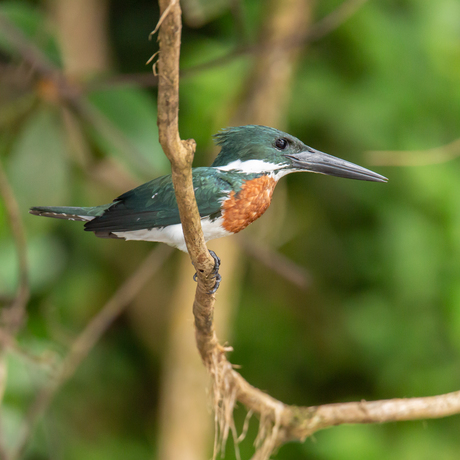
point(180, 153)
point(83, 53)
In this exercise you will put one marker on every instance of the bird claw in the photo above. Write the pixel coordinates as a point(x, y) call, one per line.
point(215, 272)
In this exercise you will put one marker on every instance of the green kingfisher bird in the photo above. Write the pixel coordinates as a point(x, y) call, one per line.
point(232, 193)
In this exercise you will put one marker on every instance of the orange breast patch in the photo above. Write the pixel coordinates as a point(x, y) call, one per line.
point(249, 204)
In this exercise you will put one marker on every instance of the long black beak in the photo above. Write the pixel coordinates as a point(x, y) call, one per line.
point(322, 163)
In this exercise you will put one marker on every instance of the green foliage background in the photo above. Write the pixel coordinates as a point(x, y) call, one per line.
point(381, 318)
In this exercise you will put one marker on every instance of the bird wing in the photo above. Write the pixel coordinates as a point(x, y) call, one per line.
point(154, 204)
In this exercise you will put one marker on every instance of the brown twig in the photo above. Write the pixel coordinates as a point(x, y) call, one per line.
point(180, 154)
point(86, 340)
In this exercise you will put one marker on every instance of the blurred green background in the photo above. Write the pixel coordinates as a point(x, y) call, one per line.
point(380, 314)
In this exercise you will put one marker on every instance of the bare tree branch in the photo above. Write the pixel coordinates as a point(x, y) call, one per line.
point(389, 410)
point(435, 155)
point(297, 423)
point(180, 154)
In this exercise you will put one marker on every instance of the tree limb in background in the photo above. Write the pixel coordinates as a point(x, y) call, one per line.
point(180, 153)
point(435, 155)
point(279, 422)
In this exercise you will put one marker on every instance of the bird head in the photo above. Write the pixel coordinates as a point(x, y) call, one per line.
point(260, 149)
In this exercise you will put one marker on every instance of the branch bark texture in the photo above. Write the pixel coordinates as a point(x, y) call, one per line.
point(180, 153)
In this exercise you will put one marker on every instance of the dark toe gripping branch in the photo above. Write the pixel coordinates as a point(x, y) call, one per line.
point(215, 272)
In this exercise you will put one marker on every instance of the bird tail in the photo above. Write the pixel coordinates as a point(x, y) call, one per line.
point(69, 213)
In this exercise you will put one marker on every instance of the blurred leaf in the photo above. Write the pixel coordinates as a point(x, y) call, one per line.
point(132, 113)
point(11, 419)
point(32, 23)
point(199, 12)
point(46, 258)
point(37, 165)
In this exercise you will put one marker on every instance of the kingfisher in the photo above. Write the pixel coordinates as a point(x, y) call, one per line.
point(232, 193)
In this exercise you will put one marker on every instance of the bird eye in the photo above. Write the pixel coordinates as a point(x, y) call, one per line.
point(281, 143)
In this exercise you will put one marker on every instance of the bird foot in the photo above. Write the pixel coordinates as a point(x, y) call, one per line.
point(215, 272)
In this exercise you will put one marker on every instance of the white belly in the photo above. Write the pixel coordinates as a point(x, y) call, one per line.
point(174, 236)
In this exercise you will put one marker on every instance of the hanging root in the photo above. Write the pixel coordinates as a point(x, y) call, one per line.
point(225, 390)
point(267, 440)
point(223, 401)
